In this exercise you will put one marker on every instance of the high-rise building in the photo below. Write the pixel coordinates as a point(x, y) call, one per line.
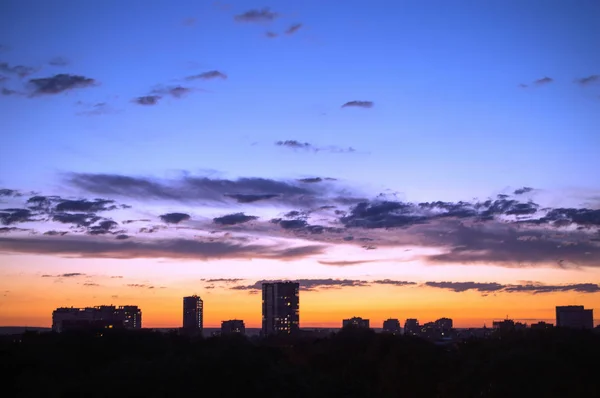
point(234, 326)
point(356, 322)
point(391, 326)
point(193, 314)
point(574, 316)
point(412, 327)
point(280, 308)
point(444, 324)
point(104, 316)
point(541, 325)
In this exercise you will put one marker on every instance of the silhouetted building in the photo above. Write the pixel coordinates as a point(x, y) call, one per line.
point(100, 317)
point(193, 314)
point(234, 326)
point(356, 322)
point(280, 308)
point(411, 327)
point(444, 324)
point(541, 326)
point(391, 326)
point(574, 316)
point(505, 325)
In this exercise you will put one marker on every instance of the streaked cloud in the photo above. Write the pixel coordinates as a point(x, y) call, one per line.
point(358, 104)
point(584, 81)
point(293, 29)
point(60, 83)
point(210, 75)
point(257, 15)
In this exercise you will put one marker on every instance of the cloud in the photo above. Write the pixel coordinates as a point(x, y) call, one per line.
point(584, 81)
point(189, 21)
point(311, 180)
point(174, 218)
point(58, 61)
point(79, 219)
point(250, 198)
point(90, 284)
point(9, 192)
point(293, 29)
point(358, 104)
point(147, 100)
point(82, 247)
point(103, 227)
point(55, 233)
point(271, 35)
point(140, 286)
point(122, 237)
point(523, 190)
point(5, 230)
point(262, 15)
point(85, 205)
point(232, 219)
point(534, 288)
point(464, 286)
point(325, 284)
point(14, 216)
point(393, 282)
point(7, 91)
point(173, 91)
point(294, 144)
point(19, 70)
point(543, 81)
point(67, 275)
point(345, 263)
point(99, 108)
point(223, 280)
point(210, 75)
point(59, 83)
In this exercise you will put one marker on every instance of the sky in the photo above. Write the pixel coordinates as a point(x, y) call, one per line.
point(410, 159)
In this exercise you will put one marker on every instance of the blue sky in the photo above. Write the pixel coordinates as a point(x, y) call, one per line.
point(448, 115)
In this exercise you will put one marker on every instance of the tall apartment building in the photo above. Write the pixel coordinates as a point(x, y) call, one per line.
point(233, 326)
point(193, 314)
point(412, 327)
point(356, 322)
point(104, 316)
point(574, 316)
point(280, 308)
point(391, 326)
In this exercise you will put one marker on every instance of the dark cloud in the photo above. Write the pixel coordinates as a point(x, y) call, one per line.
point(345, 263)
point(534, 288)
point(543, 81)
point(358, 104)
point(19, 70)
point(393, 282)
point(67, 275)
point(464, 286)
point(382, 215)
point(271, 35)
point(103, 227)
point(55, 233)
point(6, 230)
point(293, 29)
point(90, 284)
point(324, 284)
point(85, 205)
point(9, 192)
point(122, 237)
point(523, 190)
point(311, 180)
point(78, 219)
point(60, 83)
point(189, 21)
point(99, 108)
point(294, 144)
point(173, 91)
point(81, 247)
point(249, 198)
point(174, 218)
point(58, 61)
point(194, 189)
point(584, 81)
point(147, 100)
point(262, 15)
point(140, 286)
point(213, 74)
point(222, 280)
point(14, 216)
point(232, 219)
point(290, 224)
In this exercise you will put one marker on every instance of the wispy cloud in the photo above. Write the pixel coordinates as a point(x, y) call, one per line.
point(295, 144)
point(210, 75)
point(147, 100)
point(60, 83)
point(67, 275)
point(233, 219)
point(358, 104)
point(257, 15)
point(293, 29)
point(585, 81)
point(19, 70)
point(534, 288)
point(59, 61)
point(543, 81)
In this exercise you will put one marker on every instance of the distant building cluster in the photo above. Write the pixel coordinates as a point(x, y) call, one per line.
point(101, 317)
point(281, 316)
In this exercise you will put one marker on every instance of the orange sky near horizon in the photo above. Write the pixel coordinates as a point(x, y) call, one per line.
point(28, 299)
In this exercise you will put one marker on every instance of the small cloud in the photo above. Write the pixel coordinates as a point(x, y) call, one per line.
point(271, 35)
point(114, 296)
point(233, 219)
point(523, 190)
point(60, 83)
point(250, 198)
point(91, 284)
point(543, 81)
point(263, 15)
point(584, 81)
point(293, 29)
point(213, 74)
point(67, 275)
point(99, 108)
point(140, 286)
point(7, 91)
point(222, 280)
point(19, 70)
point(294, 144)
point(9, 192)
point(55, 233)
point(122, 237)
point(358, 104)
point(174, 218)
point(147, 100)
point(175, 91)
point(522, 85)
point(116, 277)
point(58, 61)
point(85, 205)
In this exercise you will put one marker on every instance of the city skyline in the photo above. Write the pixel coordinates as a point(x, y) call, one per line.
point(396, 161)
